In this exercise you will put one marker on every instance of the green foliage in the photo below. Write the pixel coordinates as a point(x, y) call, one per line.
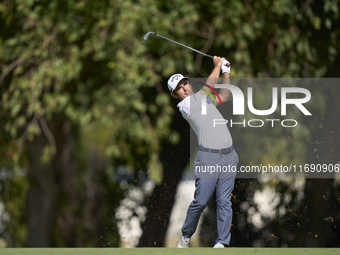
point(86, 61)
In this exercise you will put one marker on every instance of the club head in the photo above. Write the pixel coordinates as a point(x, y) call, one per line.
point(147, 35)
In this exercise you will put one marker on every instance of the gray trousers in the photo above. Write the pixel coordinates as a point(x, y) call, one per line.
point(205, 185)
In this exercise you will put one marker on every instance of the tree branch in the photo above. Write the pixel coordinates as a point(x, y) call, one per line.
point(47, 133)
point(11, 66)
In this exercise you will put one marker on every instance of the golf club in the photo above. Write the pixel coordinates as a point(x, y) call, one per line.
point(204, 54)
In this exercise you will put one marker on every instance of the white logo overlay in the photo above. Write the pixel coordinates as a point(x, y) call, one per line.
point(279, 127)
point(286, 95)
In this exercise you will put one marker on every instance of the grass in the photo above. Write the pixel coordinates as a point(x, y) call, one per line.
point(168, 251)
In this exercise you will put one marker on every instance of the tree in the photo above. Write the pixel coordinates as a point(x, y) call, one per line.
point(67, 68)
point(82, 93)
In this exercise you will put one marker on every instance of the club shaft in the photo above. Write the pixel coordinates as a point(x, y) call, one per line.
point(204, 54)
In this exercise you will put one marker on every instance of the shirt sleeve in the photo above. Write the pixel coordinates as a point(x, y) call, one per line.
point(184, 108)
point(210, 100)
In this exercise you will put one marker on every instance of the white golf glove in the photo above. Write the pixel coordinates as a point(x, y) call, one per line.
point(225, 66)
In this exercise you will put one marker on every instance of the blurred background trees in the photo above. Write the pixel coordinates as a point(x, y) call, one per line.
point(82, 94)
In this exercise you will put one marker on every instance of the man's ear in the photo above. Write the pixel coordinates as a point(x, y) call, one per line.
point(173, 95)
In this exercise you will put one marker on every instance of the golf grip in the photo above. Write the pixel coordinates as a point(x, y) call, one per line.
point(207, 55)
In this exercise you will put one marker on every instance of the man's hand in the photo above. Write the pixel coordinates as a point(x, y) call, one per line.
point(224, 92)
point(218, 61)
point(225, 66)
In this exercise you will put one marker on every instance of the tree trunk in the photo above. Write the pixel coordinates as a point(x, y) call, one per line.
point(42, 196)
point(159, 204)
point(52, 185)
point(65, 165)
point(320, 211)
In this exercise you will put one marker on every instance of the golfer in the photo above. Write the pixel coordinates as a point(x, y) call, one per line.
point(215, 152)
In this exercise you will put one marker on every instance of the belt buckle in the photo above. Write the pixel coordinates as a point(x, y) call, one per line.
point(220, 151)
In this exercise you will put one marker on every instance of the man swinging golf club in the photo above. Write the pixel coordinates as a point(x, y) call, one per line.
point(215, 148)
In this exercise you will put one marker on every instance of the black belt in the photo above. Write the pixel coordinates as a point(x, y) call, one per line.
point(220, 151)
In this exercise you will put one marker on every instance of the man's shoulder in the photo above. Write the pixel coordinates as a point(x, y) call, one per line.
point(184, 104)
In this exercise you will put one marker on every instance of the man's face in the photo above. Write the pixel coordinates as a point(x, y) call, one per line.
point(182, 90)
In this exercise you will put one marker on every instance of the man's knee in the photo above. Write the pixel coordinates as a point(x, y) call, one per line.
point(200, 203)
point(224, 201)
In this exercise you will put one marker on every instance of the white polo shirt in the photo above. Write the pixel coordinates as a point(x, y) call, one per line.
point(217, 137)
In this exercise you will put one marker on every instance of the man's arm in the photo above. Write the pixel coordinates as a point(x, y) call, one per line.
point(224, 92)
point(215, 74)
